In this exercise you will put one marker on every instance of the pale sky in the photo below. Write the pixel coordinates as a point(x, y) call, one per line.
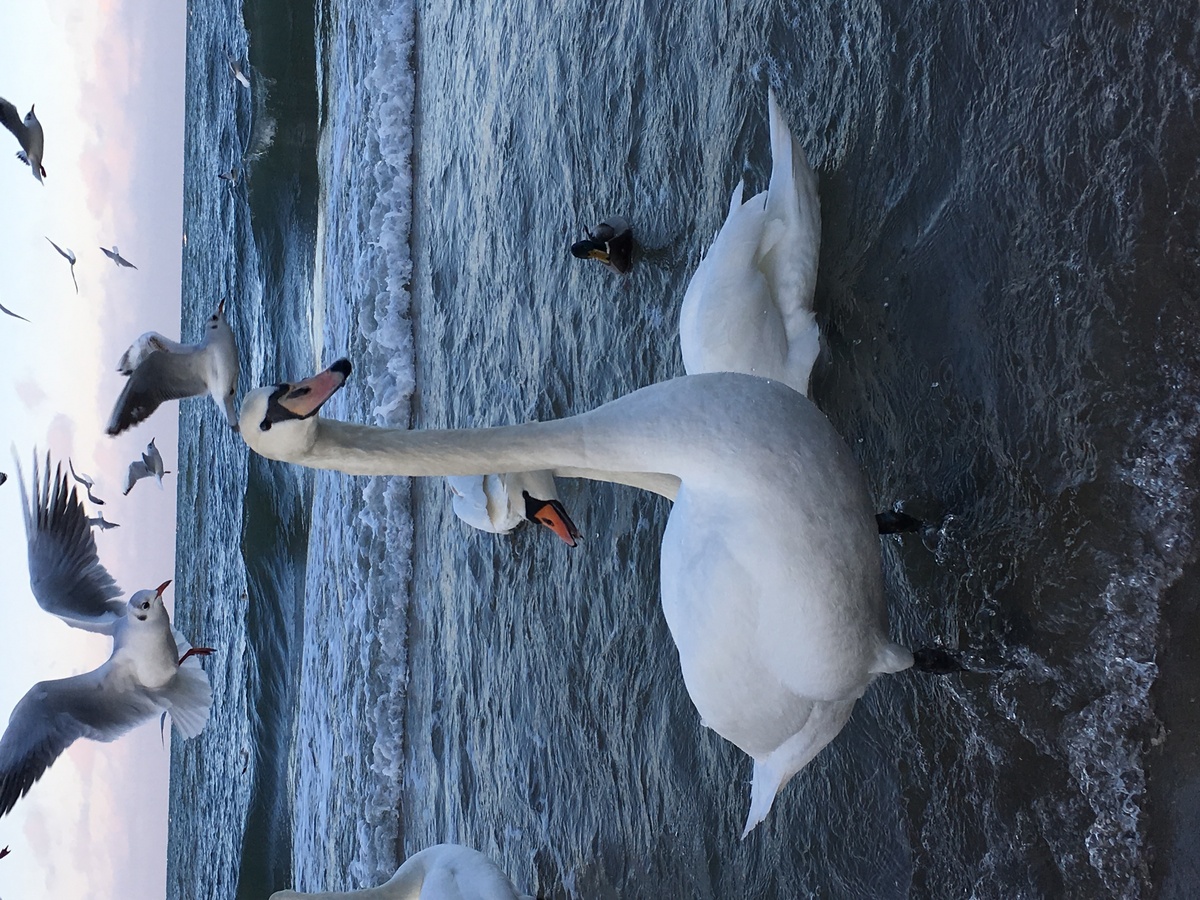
point(107, 80)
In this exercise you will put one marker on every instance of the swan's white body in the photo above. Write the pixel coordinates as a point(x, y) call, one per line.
point(748, 308)
point(770, 567)
point(442, 872)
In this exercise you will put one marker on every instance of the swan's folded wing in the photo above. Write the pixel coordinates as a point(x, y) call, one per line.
point(161, 376)
point(99, 705)
point(65, 573)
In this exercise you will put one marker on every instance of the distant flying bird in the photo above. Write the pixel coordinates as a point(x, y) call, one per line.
point(28, 132)
point(235, 69)
point(4, 853)
point(151, 464)
point(69, 256)
point(4, 309)
point(149, 672)
point(86, 481)
point(3, 478)
point(102, 523)
point(160, 369)
point(231, 176)
point(115, 255)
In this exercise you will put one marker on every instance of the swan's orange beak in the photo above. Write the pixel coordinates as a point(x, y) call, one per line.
point(554, 516)
point(162, 587)
point(307, 396)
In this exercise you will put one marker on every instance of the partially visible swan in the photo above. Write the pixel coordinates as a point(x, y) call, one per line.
point(770, 567)
point(610, 243)
point(499, 503)
point(441, 872)
point(161, 369)
point(748, 307)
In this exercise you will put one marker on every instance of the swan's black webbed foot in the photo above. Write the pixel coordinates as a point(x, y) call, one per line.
point(937, 661)
point(942, 661)
point(895, 522)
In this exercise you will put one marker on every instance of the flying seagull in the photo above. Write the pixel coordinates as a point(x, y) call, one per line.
point(231, 176)
point(151, 464)
point(160, 369)
point(102, 523)
point(28, 132)
point(149, 672)
point(86, 480)
point(69, 256)
point(115, 255)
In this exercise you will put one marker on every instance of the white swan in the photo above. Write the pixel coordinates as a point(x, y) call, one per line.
point(499, 503)
point(441, 872)
point(161, 369)
point(770, 566)
point(748, 307)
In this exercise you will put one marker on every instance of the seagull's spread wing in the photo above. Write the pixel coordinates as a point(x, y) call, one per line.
point(6, 310)
point(11, 119)
point(65, 573)
point(67, 254)
point(161, 376)
point(100, 705)
point(115, 255)
point(85, 480)
point(137, 471)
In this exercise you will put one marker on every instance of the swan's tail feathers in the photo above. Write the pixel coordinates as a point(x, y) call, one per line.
point(735, 199)
point(790, 245)
point(892, 658)
point(190, 694)
point(767, 782)
point(771, 773)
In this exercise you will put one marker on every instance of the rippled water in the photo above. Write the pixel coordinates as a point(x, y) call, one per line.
point(1006, 298)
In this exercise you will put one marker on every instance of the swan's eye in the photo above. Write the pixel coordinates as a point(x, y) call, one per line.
point(298, 392)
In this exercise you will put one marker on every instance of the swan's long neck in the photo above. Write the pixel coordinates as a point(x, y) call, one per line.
point(368, 450)
point(723, 428)
point(640, 433)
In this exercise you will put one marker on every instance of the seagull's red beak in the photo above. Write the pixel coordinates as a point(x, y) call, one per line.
point(162, 587)
point(221, 307)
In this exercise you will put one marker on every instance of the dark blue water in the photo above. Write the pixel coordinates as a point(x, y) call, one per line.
point(1006, 298)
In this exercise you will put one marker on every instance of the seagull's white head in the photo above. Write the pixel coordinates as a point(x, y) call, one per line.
point(147, 606)
point(30, 118)
point(279, 421)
